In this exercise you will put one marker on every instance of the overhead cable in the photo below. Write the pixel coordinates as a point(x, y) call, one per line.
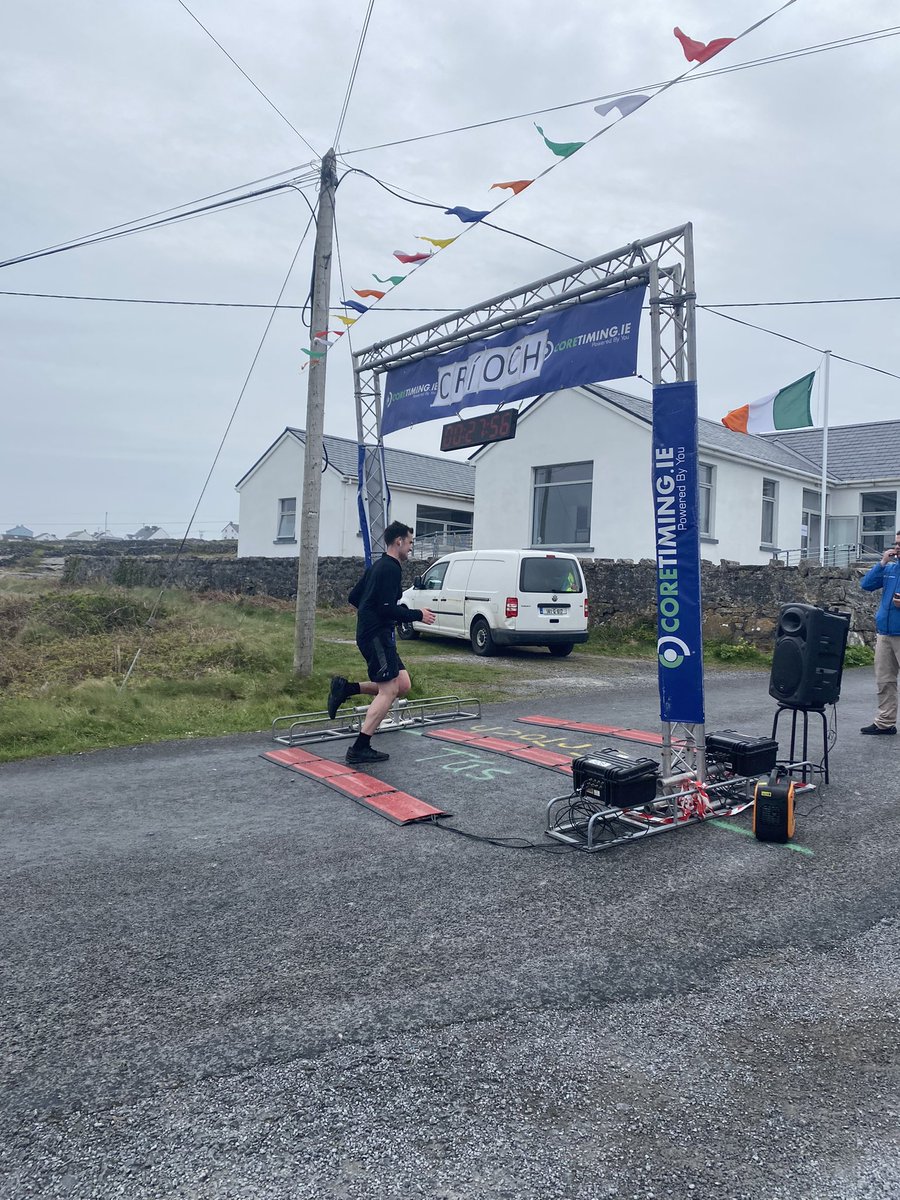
point(234, 412)
point(797, 342)
point(124, 231)
point(247, 77)
point(785, 56)
point(353, 70)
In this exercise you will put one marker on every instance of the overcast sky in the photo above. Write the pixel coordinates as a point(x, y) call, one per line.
point(113, 111)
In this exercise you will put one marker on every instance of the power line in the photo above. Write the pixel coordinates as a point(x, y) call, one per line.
point(353, 70)
point(416, 308)
point(785, 56)
point(247, 77)
point(119, 231)
point(797, 342)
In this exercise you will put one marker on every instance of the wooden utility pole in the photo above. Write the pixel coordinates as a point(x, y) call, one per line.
point(308, 561)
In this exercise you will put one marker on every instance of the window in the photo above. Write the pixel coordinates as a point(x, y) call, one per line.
point(562, 505)
point(550, 574)
point(440, 528)
point(433, 579)
point(879, 520)
point(769, 512)
point(706, 479)
point(811, 523)
point(287, 519)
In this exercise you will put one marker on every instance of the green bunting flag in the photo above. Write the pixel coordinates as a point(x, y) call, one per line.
point(561, 149)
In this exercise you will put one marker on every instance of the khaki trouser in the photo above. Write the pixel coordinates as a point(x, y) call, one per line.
point(887, 666)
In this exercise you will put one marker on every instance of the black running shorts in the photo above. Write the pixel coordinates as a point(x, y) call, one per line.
point(382, 660)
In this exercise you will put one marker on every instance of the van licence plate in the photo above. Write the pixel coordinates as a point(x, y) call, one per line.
point(554, 610)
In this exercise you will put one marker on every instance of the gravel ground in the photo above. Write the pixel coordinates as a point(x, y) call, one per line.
point(223, 981)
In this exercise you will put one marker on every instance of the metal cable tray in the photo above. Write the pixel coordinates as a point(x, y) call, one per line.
point(613, 826)
point(304, 728)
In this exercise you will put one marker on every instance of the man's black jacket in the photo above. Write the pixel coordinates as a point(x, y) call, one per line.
point(375, 600)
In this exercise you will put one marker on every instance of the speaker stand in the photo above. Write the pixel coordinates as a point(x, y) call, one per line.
point(793, 710)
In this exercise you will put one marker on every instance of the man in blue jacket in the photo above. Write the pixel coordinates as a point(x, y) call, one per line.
point(886, 575)
point(378, 613)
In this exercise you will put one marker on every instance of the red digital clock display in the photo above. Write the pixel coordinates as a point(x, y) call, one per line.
point(476, 431)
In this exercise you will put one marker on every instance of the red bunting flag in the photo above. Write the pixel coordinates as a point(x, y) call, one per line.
point(410, 258)
point(364, 292)
point(514, 185)
point(700, 52)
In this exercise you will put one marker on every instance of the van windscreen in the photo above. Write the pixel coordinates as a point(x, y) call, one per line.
point(550, 575)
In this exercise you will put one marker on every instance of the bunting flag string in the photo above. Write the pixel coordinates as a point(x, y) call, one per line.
point(313, 353)
point(694, 51)
point(514, 185)
point(441, 243)
point(700, 52)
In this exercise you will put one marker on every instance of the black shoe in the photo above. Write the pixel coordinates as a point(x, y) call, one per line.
point(365, 754)
point(337, 695)
point(878, 729)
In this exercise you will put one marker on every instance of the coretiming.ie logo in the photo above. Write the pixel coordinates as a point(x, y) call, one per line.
point(668, 654)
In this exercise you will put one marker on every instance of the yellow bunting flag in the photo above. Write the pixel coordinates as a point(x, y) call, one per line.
point(514, 185)
point(348, 320)
point(441, 243)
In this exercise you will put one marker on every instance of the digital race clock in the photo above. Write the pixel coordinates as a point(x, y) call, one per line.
point(476, 431)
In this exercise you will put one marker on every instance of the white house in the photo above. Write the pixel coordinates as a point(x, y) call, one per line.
point(230, 532)
point(577, 476)
point(435, 496)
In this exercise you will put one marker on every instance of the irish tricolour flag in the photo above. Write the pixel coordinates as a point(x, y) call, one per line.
point(787, 409)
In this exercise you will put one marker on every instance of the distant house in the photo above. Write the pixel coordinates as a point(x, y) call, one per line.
point(435, 496)
point(150, 533)
point(103, 535)
point(230, 531)
point(46, 537)
point(18, 532)
point(80, 535)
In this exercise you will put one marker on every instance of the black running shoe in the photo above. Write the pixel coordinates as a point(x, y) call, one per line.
point(879, 729)
point(337, 695)
point(365, 754)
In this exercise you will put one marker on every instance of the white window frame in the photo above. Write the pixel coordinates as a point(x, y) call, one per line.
point(769, 505)
point(710, 487)
point(286, 519)
point(536, 487)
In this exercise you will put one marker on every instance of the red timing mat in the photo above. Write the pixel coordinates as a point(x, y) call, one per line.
point(522, 751)
point(381, 797)
point(627, 735)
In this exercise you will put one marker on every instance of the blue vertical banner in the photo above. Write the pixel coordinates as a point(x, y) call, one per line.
point(676, 511)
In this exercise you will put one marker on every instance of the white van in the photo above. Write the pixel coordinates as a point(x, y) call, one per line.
point(503, 598)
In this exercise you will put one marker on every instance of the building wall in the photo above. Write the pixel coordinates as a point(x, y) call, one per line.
point(281, 475)
point(572, 427)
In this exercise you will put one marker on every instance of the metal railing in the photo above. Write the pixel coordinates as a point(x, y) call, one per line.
point(835, 556)
point(433, 545)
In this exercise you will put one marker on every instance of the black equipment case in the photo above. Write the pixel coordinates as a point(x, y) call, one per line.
point(615, 779)
point(743, 753)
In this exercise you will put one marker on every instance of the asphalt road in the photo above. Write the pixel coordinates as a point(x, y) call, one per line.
point(222, 980)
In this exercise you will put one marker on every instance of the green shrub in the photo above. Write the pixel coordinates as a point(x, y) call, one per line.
point(76, 614)
point(859, 656)
point(735, 652)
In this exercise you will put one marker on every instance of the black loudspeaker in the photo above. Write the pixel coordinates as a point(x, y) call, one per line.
point(809, 656)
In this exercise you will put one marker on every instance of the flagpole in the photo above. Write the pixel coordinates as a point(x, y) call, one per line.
point(824, 489)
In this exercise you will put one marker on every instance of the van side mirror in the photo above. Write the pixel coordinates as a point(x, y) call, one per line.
point(417, 583)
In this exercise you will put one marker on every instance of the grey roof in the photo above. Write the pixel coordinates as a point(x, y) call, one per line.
point(424, 472)
point(870, 451)
point(712, 435)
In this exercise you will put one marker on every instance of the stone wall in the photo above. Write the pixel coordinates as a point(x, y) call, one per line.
point(739, 602)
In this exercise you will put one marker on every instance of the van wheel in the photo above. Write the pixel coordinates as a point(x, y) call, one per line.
point(406, 633)
point(561, 649)
point(482, 642)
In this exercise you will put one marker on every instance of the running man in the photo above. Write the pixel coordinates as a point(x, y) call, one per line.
point(378, 613)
